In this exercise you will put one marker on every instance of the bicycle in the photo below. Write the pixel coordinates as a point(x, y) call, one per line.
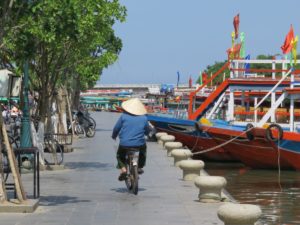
point(84, 125)
point(78, 129)
point(132, 178)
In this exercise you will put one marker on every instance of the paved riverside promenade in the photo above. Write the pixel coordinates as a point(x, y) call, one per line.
point(88, 191)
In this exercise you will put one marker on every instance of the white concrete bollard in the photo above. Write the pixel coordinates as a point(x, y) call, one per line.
point(167, 138)
point(180, 154)
point(239, 214)
point(191, 168)
point(172, 145)
point(158, 135)
point(26, 164)
point(210, 188)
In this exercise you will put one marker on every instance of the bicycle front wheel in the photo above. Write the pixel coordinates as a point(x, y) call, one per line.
point(93, 122)
point(90, 132)
point(79, 131)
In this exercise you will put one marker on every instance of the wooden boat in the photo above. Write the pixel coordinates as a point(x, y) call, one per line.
point(262, 141)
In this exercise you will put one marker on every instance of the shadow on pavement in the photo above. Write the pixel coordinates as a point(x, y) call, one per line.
point(98, 129)
point(88, 165)
point(124, 190)
point(53, 200)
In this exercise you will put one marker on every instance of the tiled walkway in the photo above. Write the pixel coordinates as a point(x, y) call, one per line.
point(88, 192)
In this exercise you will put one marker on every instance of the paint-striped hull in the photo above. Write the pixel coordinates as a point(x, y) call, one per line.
point(259, 153)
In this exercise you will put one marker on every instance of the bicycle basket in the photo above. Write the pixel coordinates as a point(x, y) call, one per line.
point(64, 139)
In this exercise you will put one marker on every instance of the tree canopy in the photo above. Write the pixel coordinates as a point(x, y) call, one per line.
point(63, 40)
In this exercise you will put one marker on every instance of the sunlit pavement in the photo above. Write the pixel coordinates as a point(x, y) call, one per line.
point(88, 191)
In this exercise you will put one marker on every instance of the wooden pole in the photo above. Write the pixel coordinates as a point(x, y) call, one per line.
point(13, 166)
point(3, 196)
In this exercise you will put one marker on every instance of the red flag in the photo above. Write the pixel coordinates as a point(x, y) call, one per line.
point(190, 82)
point(204, 77)
point(287, 46)
point(236, 24)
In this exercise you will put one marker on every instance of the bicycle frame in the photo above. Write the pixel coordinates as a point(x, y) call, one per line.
point(132, 158)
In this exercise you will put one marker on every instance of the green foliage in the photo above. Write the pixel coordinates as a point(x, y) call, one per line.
point(212, 69)
point(62, 37)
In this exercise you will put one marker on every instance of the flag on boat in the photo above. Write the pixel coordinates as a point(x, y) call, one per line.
point(178, 77)
point(247, 65)
point(234, 53)
point(287, 45)
point(190, 82)
point(242, 51)
point(294, 49)
point(236, 24)
point(204, 77)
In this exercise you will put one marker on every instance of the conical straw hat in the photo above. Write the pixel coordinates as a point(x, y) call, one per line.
point(134, 106)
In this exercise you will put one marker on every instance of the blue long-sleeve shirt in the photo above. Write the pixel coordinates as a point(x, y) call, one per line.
point(131, 130)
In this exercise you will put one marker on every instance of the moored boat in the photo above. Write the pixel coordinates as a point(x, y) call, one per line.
point(262, 141)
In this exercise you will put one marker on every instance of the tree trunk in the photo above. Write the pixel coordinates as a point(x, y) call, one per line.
point(38, 141)
point(76, 100)
point(61, 106)
point(43, 104)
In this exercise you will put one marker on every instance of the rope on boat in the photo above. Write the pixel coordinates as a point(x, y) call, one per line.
point(231, 140)
point(220, 145)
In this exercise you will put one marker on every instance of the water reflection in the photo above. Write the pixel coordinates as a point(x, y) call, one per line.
point(278, 194)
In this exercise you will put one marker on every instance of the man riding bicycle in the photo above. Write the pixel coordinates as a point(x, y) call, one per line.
point(131, 128)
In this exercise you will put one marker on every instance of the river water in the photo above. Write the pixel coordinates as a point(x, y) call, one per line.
point(276, 192)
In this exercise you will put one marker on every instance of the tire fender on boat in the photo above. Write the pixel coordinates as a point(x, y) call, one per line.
point(198, 127)
point(249, 132)
point(269, 134)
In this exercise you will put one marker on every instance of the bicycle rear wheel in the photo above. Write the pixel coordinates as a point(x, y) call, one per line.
point(135, 180)
point(128, 180)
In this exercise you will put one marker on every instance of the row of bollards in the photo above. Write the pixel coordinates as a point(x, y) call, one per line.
point(210, 187)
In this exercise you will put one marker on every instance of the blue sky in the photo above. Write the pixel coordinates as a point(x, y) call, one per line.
point(161, 37)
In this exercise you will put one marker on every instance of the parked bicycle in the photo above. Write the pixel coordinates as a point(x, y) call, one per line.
point(84, 125)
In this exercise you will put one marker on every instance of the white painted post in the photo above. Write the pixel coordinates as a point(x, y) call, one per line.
point(292, 104)
point(255, 110)
point(273, 68)
point(236, 73)
point(231, 72)
point(273, 100)
point(231, 105)
point(283, 67)
point(292, 113)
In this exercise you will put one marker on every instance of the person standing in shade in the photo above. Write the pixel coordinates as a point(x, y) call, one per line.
point(131, 127)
